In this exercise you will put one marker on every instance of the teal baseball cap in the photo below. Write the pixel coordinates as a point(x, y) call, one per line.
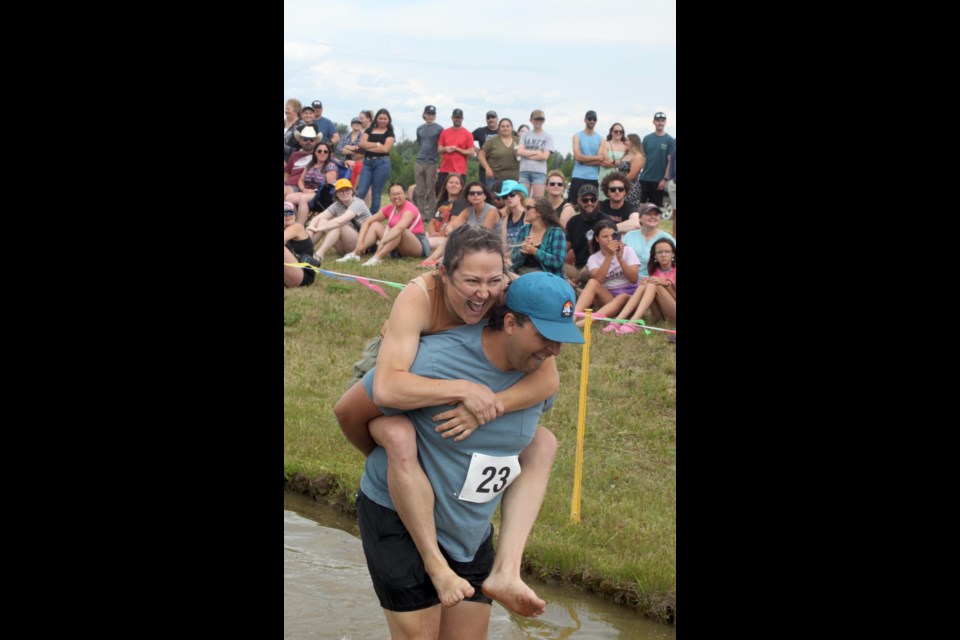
point(549, 302)
point(510, 186)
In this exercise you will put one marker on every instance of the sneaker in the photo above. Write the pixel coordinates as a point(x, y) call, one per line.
point(612, 327)
point(372, 261)
point(627, 328)
point(350, 257)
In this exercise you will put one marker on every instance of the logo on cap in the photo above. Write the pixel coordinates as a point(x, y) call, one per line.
point(659, 115)
point(567, 309)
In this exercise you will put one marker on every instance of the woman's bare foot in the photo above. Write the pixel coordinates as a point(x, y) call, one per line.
point(514, 594)
point(451, 588)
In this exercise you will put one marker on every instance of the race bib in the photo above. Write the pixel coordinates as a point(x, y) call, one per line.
point(488, 476)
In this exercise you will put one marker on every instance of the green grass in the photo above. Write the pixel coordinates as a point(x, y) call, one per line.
point(625, 543)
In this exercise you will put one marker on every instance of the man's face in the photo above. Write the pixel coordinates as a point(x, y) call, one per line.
point(590, 122)
point(616, 191)
point(659, 123)
point(588, 203)
point(457, 120)
point(527, 348)
point(307, 144)
point(492, 122)
point(429, 117)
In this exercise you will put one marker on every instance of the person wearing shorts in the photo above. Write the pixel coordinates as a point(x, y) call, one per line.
point(534, 151)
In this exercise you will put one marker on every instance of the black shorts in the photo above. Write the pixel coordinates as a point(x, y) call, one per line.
point(650, 193)
point(396, 567)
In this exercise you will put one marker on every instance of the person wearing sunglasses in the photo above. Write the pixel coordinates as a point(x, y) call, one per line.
point(657, 148)
point(298, 160)
point(319, 173)
point(512, 213)
point(612, 150)
point(579, 234)
point(616, 186)
point(297, 247)
point(556, 183)
point(587, 156)
point(534, 151)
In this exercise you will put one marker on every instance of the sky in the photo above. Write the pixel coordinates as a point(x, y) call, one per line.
point(512, 57)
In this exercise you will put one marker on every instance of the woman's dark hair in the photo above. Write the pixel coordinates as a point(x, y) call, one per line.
point(622, 128)
point(499, 312)
point(444, 194)
point(597, 228)
point(547, 213)
point(373, 124)
point(466, 239)
point(488, 196)
point(313, 156)
point(502, 120)
point(652, 264)
point(616, 175)
point(398, 184)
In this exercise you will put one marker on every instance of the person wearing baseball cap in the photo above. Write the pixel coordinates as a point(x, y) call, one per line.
point(480, 137)
point(580, 232)
point(534, 150)
point(456, 145)
point(641, 240)
point(587, 157)
point(325, 126)
point(339, 224)
point(425, 167)
point(519, 338)
point(657, 148)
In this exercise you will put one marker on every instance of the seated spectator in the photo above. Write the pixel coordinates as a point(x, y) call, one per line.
point(616, 186)
point(298, 161)
point(477, 211)
point(297, 247)
point(398, 227)
point(614, 272)
point(513, 213)
point(319, 172)
point(556, 183)
point(656, 294)
point(542, 243)
point(340, 223)
point(643, 238)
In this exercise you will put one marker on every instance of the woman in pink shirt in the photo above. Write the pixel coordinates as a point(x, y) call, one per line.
point(398, 227)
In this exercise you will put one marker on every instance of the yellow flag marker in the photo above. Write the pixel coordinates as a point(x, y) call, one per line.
point(581, 417)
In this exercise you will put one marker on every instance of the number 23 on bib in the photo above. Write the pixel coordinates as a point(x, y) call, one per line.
point(488, 477)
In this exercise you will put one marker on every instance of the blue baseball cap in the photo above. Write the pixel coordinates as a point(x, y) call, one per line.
point(549, 301)
point(510, 186)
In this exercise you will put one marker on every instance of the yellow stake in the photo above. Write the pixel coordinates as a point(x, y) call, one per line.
point(581, 417)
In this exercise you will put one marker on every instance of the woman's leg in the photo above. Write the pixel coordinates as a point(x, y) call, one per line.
point(374, 232)
point(292, 276)
point(518, 511)
point(347, 241)
point(633, 301)
point(410, 245)
point(354, 411)
point(329, 240)
point(650, 292)
point(667, 304)
point(412, 495)
point(437, 248)
point(614, 306)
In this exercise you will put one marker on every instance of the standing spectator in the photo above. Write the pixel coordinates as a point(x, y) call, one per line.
point(349, 149)
point(456, 145)
point(534, 151)
point(425, 169)
point(291, 118)
point(499, 154)
point(376, 144)
point(672, 185)
point(631, 164)
point(366, 119)
point(326, 128)
point(586, 153)
point(612, 151)
point(542, 243)
point(657, 148)
point(480, 136)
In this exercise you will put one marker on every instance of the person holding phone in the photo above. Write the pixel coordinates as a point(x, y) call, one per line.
point(614, 272)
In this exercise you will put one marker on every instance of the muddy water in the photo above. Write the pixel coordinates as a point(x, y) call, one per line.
point(327, 591)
